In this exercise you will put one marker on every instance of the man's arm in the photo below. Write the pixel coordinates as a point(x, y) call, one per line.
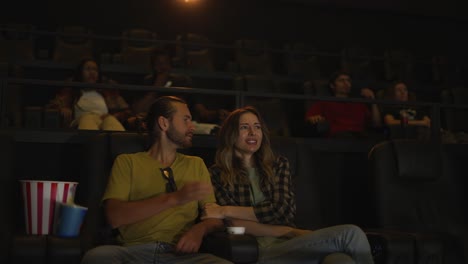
point(375, 112)
point(375, 115)
point(190, 242)
point(121, 213)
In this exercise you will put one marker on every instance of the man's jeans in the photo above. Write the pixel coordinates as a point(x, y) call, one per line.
point(153, 253)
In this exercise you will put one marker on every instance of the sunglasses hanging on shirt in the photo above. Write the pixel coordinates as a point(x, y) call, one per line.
point(169, 176)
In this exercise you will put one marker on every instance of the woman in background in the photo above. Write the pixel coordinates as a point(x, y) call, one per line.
point(89, 105)
point(393, 114)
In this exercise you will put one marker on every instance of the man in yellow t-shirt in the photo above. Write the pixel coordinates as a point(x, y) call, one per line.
point(154, 197)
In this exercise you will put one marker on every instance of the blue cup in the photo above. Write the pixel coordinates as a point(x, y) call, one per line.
point(69, 218)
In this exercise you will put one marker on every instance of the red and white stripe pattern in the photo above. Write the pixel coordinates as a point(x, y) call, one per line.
point(39, 201)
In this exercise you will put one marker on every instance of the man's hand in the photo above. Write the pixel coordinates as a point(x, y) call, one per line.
point(315, 119)
point(222, 114)
point(104, 116)
point(190, 242)
point(367, 93)
point(193, 191)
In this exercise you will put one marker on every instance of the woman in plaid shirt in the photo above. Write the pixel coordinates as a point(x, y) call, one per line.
point(253, 189)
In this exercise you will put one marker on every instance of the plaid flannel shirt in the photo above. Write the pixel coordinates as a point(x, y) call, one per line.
point(279, 206)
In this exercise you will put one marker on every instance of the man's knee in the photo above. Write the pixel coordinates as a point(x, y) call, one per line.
point(102, 254)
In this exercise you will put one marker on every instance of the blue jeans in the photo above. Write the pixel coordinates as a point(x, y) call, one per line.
point(152, 253)
point(325, 245)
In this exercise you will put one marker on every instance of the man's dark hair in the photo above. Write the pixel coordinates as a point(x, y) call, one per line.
point(163, 106)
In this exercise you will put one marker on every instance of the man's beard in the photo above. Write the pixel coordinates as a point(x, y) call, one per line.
point(179, 138)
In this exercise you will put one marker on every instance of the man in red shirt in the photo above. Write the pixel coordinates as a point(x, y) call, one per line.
point(344, 118)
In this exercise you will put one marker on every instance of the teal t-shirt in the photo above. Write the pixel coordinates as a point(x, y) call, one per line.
point(257, 196)
point(256, 193)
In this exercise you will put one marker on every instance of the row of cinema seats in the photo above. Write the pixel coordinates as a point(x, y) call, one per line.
point(410, 200)
point(250, 56)
point(18, 247)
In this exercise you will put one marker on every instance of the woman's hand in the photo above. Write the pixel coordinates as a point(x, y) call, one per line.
point(66, 113)
point(212, 210)
point(294, 232)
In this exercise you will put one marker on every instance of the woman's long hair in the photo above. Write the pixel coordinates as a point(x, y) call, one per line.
point(232, 168)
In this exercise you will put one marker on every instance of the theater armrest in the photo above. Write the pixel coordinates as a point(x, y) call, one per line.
point(389, 247)
point(236, 248)
point(29, 249)
point(63, 250)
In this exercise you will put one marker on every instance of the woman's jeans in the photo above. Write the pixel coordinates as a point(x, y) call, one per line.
point(341, 244)
point(318, 246)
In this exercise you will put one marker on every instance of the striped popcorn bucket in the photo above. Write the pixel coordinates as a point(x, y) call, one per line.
point(40, 198)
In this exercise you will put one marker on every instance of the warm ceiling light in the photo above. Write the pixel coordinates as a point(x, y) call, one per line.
point(189, 2)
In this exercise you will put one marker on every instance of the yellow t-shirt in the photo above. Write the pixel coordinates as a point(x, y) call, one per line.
point(137, 176)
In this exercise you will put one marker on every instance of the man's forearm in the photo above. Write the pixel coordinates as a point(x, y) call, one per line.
point(210, 225)
point(375, 113)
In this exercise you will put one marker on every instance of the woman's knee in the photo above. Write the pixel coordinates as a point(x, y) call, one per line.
point(89, 121)
point(111, 123)
point(354, 230)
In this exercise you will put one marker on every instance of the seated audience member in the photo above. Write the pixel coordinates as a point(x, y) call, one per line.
point(401, 116)
point(254, 189)
point(117, 105)
point(154, 197)
point(393, 114)
point(345, 119)
point(89, 105)
point(162, 76)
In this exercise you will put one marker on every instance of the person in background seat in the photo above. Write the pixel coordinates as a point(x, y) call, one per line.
point(163, 76)
point(345, 119)
point(398, 91)
point(86, 109)
point(414, 119)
